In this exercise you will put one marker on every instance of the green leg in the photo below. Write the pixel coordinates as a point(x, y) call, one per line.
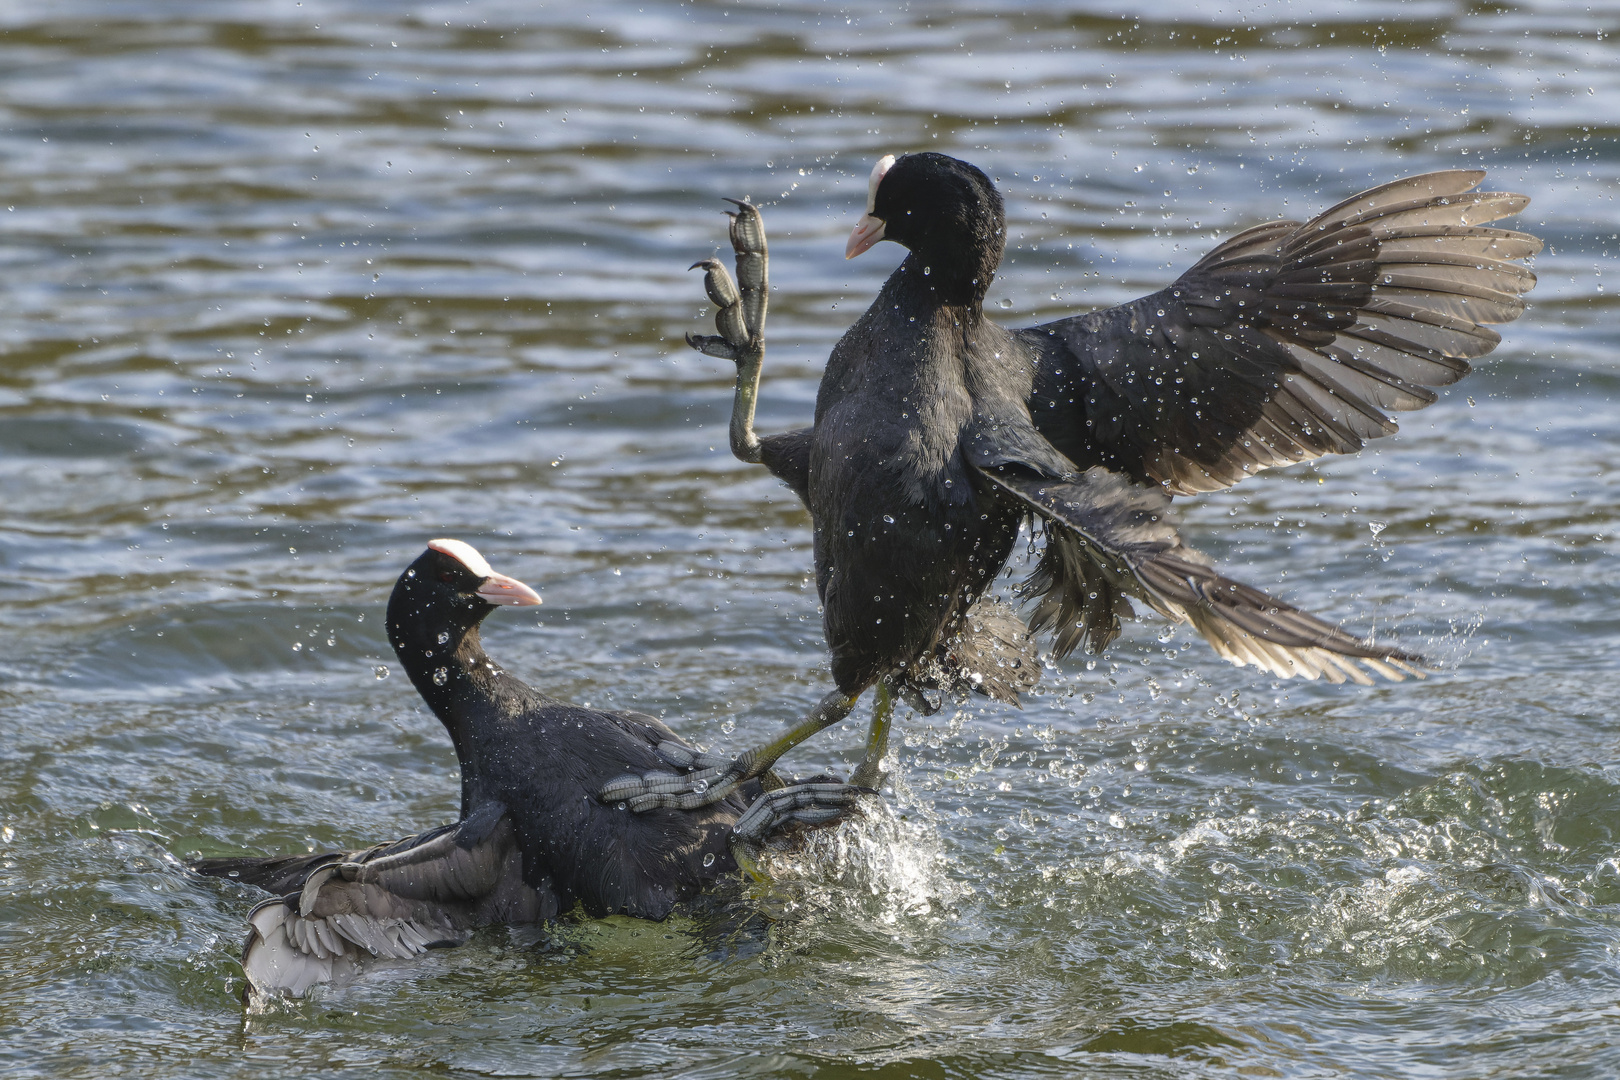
point(869, 773)
point(815, 803)
point(747, 863)
point(704, 786)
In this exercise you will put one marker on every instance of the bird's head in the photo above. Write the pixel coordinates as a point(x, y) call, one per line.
point(445, 594)
point(947, 212)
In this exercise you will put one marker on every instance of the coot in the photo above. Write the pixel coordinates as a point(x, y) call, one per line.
point(937, 432)
point(531, 840)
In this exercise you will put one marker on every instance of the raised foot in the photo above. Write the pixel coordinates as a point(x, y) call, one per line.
point(741, 304)
point(741, 322)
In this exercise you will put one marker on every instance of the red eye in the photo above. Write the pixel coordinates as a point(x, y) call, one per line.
point(447, 577)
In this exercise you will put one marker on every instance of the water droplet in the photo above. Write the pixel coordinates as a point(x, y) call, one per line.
point(380, 671)
point(331, 641)
point(440, 676)
point(297, 645)
point(1377, 527)
point(444, 636)
point(728, 726)
point(701, 786)
point(290, 551)
point(888, 519)
point(927, 270)
point(410, 573)
point(623, 806)
point(708, 860)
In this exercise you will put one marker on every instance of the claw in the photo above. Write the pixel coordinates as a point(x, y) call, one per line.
point(747, 227)
point(712, 345)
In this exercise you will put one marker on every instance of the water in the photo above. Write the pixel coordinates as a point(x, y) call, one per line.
point(290, 289)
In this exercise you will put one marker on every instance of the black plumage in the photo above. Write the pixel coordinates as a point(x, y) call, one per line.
point(531, 841)
point(541, 758)
point(937, 432)
point(1287, 342)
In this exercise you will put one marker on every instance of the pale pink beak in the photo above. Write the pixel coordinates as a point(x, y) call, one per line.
point(507, 592)
point(868, 231)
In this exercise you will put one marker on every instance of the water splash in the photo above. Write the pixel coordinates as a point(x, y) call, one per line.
point(875, 867)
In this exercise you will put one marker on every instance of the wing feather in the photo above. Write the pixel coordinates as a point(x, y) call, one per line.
point(1108, 538)
point(1289, 340)
point(394, 901)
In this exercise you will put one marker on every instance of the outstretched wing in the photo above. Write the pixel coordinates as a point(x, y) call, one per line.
point(395, 900)
point(1108, 538)
point(1288, 341)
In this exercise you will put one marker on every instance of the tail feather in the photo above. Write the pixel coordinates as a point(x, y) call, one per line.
point(279, 874)
point(1108, 539)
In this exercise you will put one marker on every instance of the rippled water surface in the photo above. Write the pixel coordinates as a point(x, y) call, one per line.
point(291, 288)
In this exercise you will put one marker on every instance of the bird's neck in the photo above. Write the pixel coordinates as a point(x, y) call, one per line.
point(457, 679)
point(959, 285)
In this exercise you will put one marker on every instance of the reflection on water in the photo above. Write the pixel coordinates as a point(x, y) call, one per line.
point(291, 289)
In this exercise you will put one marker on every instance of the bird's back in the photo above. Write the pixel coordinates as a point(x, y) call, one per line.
point(546, 759)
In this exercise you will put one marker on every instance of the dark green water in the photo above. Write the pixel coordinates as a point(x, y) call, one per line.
point(290, 289)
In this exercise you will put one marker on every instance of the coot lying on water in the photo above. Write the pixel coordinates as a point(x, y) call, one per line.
point(531, 840)
point(937, 432)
